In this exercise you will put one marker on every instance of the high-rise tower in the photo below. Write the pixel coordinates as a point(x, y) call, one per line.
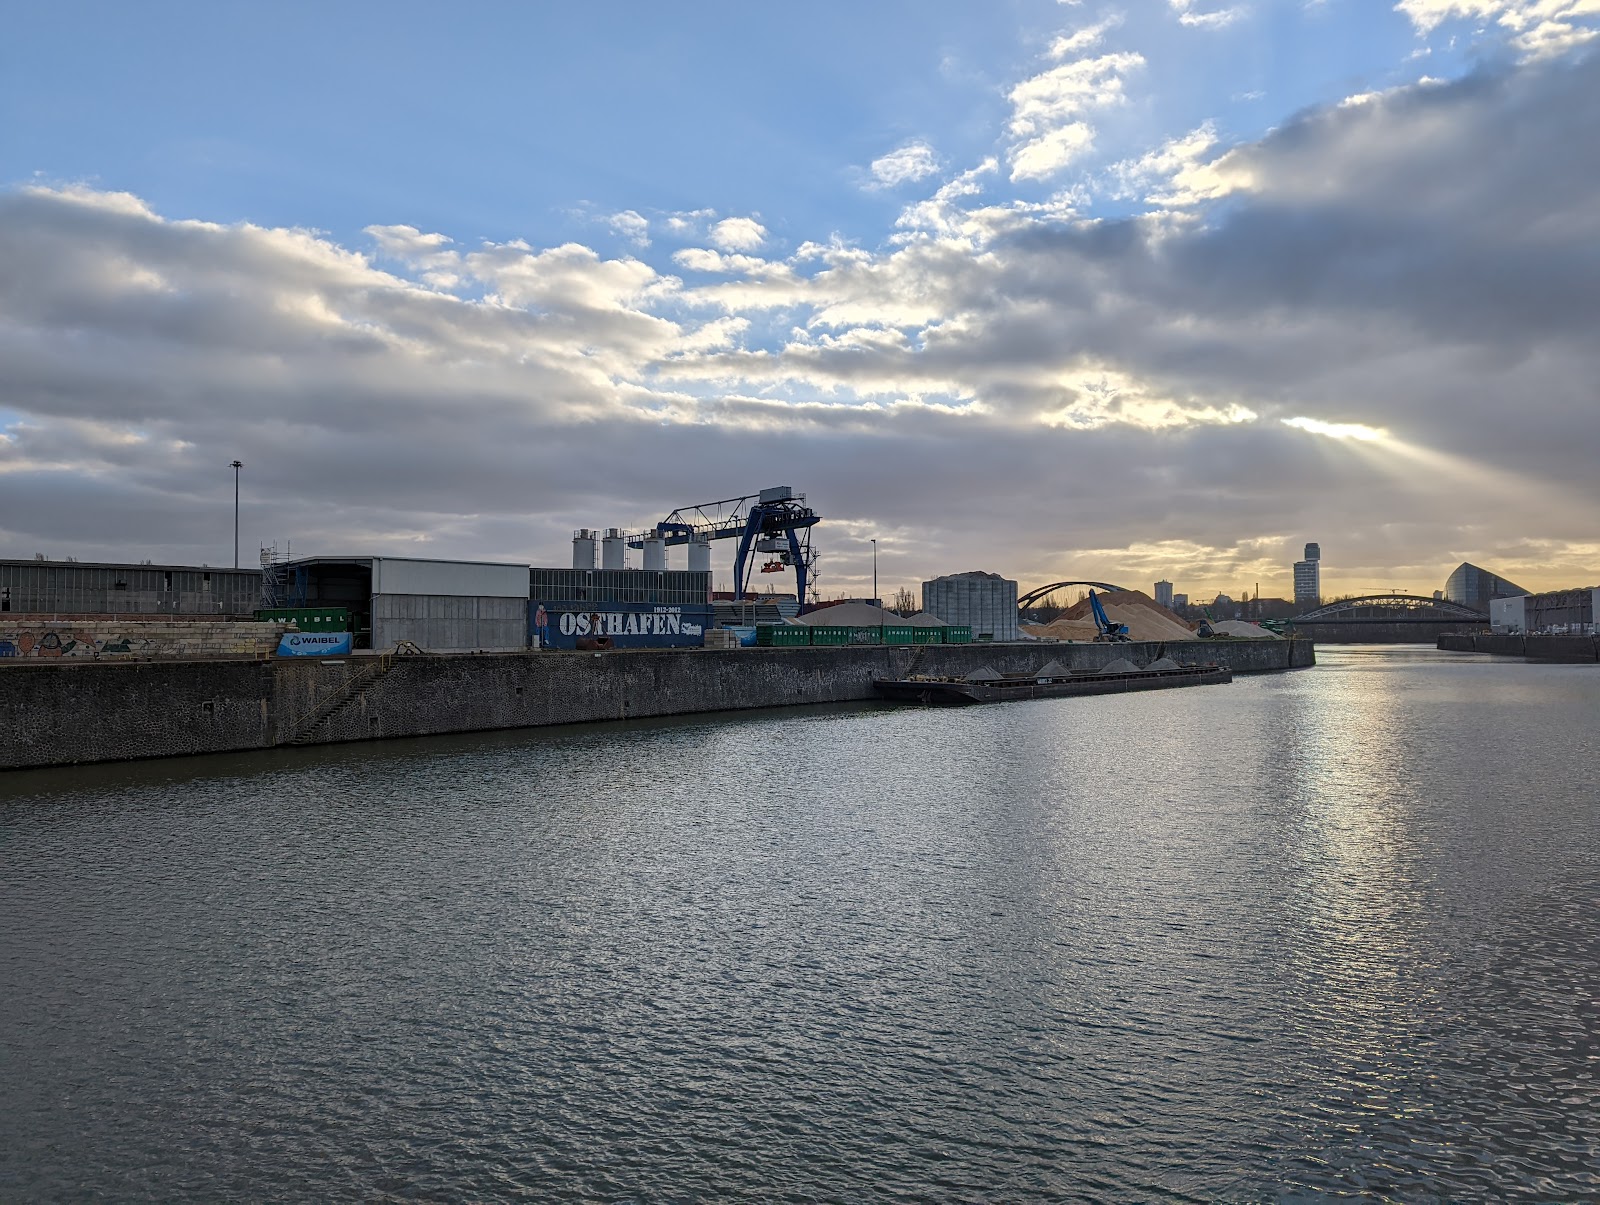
point(1308, 577)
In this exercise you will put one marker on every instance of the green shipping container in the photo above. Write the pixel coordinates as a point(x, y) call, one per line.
point(822, 635)
point(782, 635)
point(927, 635)
point(958, 635)
point(897, 634)
point(308, 619)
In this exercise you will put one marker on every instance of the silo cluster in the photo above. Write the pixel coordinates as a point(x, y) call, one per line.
point(985, 602)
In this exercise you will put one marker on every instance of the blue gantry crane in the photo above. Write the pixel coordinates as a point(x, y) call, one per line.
point(775, 521)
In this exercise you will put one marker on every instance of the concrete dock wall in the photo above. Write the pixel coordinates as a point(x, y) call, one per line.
point(1552, 648)
point(59, 713)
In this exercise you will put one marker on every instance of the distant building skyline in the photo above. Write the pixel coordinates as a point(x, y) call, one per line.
point(1308, 577)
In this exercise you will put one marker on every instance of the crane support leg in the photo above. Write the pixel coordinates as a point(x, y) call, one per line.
point(741, 561)
point(798, 557)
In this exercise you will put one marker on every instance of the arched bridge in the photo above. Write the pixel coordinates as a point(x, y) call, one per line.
point(1392, 608)
point(1034, 597)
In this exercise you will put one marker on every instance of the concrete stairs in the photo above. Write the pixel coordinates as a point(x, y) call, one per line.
point(311, 728)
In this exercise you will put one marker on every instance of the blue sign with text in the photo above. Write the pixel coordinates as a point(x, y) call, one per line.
point(314, 644)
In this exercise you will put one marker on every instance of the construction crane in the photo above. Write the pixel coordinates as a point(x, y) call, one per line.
point(776, 522)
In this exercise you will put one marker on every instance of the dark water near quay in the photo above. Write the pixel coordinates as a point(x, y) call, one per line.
point(1309, 936)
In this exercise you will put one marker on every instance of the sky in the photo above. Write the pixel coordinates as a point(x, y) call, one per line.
point(1113, 292)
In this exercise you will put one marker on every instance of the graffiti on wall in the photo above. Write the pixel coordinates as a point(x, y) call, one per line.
point(71, 642)
point(109, 638)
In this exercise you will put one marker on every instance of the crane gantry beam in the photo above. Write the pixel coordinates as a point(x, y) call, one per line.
point(773, 514)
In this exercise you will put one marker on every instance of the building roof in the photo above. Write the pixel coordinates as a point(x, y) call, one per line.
point(35, 562)
point(383, 556)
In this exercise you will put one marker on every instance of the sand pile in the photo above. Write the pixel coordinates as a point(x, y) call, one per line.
point(1146, 620)
point(1238, 627)
point(1120, 666)
point(1062, 629)
point(851, 615)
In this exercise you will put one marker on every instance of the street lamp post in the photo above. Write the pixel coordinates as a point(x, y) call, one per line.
point(236, 466)
point(875, 569)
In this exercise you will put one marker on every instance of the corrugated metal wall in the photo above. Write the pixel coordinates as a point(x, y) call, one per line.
point(681, 587)
point(68, 587)
point(984, 602)
point(466, 579)
point(442, 623)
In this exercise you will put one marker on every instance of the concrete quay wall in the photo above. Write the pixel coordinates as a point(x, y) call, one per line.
point(1552, 648)
point(60, 713)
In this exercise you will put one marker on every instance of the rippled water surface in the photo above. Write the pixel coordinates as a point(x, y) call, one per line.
point(1322, 934)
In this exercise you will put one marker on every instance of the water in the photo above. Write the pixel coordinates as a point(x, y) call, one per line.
point(1308, 936)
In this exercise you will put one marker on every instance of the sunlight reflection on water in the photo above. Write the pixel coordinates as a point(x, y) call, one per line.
point(1326, 932)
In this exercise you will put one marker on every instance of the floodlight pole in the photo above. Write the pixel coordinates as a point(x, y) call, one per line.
point(875, 570)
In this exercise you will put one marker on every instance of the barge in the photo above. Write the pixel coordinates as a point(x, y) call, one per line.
point(1052, 682)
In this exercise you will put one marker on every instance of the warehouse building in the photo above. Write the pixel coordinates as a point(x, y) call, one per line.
point(1564, 612)
point(41, 587)
point(440, 606)
point(984, 602)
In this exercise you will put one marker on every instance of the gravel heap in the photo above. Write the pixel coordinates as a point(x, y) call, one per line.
point(1145, 618)
point(1249, 631)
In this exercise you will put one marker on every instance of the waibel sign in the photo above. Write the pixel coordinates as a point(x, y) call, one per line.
point(313, 644)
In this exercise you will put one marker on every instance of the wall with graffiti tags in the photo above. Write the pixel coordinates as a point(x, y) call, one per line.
point(131, 640)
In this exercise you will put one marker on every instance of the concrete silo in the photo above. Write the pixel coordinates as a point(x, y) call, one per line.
point(984, 602)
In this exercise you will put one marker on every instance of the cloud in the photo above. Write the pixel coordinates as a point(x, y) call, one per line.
point(739, 234)
point(631, 226)
point(1182, 172)
point(1083, 39)
point(1049, 124)
point(1360, 267)
point(905, 165)
point(1215, 19)
point(1541, 29)
point(688, 222)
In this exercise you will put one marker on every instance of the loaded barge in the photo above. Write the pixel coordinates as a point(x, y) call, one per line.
point(1054, 681)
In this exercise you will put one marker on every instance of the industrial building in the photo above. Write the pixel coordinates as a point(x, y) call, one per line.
point(1564, 612)
point(441, 606)
point(1308, 577)
point(984, 602)
point(1476, 588)
point(1164, 594)
point(45, 587)
point(617, 607)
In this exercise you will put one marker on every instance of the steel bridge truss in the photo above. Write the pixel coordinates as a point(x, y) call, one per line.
point(1413, 608)
point(1034, 597)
